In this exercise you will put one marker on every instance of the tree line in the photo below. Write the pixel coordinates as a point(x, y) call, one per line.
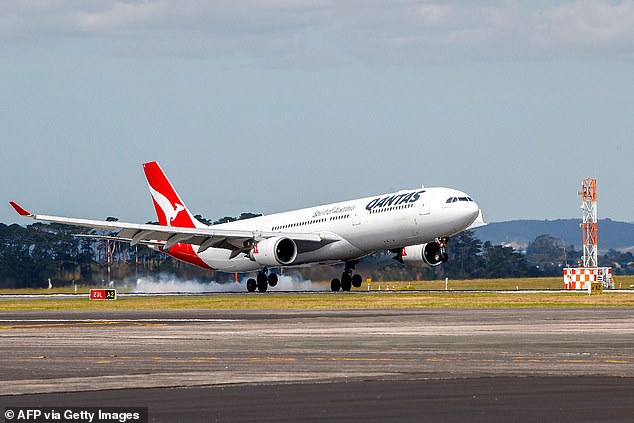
point(31, 255)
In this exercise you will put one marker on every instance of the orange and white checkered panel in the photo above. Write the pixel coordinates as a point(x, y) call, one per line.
point(579, 278)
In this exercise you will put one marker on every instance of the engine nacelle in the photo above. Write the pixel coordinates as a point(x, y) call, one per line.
point(274, 251)
point(423, 255)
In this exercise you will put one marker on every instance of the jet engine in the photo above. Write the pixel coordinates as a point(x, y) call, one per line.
point(274, 251)
point(423, 255)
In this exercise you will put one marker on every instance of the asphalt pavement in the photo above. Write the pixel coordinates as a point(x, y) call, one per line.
point(330, 365)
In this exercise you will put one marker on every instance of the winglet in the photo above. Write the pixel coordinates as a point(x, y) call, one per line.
point(21, 211)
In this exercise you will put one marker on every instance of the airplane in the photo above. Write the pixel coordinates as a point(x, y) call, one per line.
point(415, 224)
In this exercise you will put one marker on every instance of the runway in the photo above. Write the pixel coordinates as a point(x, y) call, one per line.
point(251, 365)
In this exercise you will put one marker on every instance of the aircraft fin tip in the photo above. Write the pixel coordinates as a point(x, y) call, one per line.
point(21, 211)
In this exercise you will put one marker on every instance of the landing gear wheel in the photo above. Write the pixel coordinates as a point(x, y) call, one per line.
point(251, 285)
point(272, 279)
point(346, 282)
point(335, 285)
point(356, 280)
point(263, 282)
point(262, 286)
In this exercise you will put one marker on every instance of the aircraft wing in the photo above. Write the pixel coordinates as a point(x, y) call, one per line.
point(168, 236)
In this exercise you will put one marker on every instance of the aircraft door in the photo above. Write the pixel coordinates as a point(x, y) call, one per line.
point(356, 220)
point(425, 203)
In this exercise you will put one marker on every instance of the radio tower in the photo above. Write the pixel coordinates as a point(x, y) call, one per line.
point(588, 276)
point(589, 225)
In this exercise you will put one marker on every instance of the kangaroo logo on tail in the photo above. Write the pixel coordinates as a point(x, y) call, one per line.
point(170, 212)
point(168, 204)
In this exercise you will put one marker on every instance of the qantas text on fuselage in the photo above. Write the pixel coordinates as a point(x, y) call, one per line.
point(414, 224)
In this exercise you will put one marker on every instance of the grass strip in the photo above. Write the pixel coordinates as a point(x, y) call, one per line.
point(384, 300)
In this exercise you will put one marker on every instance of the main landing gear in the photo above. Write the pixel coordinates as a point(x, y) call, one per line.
point(262, 281)
point(348, 280)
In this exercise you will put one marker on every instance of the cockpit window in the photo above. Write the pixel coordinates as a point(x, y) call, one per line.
point(454, 199)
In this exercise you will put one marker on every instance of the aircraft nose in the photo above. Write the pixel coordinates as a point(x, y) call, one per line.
point(471, 211)
point(458, 208)
point(474, 209)
point(467, 209)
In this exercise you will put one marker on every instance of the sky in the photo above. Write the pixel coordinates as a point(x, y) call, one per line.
point(271, 105)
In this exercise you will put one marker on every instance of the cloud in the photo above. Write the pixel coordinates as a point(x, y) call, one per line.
point(374, 31)
point(412, 32)
point(587, 25)
point(420, 32)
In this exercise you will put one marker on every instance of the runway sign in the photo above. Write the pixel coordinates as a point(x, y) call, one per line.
point(596, 288)
point(103, 294)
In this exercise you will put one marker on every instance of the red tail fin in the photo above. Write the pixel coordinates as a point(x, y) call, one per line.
point(170, 209)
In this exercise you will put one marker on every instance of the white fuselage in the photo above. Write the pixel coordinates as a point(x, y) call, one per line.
point(362, 226)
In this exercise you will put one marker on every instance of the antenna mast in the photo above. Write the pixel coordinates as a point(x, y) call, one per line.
point(589, 224)
point(590, 277)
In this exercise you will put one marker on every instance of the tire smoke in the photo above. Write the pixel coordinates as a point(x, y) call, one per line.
point(169, 283)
